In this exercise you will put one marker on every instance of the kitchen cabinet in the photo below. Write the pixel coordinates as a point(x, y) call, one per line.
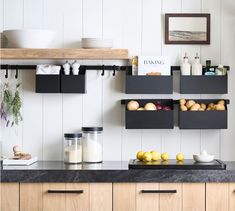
point(159, 197)
point(9, 193)
point(217, 197)
point(66, 196)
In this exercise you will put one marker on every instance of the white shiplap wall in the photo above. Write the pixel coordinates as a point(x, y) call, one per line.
point(134, 24)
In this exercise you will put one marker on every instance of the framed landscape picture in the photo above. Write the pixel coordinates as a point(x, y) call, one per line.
point(187, 28)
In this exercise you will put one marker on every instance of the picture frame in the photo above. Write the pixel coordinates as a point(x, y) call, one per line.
point(187, 28)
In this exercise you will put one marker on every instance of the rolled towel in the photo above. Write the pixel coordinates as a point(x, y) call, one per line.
point(48, 70)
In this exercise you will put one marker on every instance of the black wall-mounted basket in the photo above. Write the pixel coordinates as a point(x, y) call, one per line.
point(149, 119)
point(47, 83)
point(204, 119)
point(203, 84)
point(140, 84)
point(74, 83)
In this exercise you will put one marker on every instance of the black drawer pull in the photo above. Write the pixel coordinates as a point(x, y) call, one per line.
point(158, 191)
point(66, 191)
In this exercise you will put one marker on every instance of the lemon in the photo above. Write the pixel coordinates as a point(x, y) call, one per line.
point(164, 156)
point(155, 155)
point(147, 157)
point(140, 155)
point(180, 157)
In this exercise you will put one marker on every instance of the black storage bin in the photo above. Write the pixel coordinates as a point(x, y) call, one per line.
point(47, 83)
point(74, 83)
point(203, 119)
point(150, 119)
point(203, 84)
point(141, 84)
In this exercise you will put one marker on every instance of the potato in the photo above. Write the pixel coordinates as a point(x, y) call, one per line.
point(133, 105)
point(219, 107)
point(211, 105)
point(209, 109)
point(203, 106)
point(201, 109)
point(195, 107)
point(221, 102)
point(182, 101)
point(183, 108)
point(190, 103)
point(140, 109)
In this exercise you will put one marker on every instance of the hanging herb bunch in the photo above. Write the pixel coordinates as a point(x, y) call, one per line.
point(11, 105)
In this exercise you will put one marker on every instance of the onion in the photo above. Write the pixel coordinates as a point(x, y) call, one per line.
point(133, 105)
point(150, 107)
point(167, 108)
point(159, 106)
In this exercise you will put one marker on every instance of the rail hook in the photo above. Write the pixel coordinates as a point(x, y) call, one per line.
point(17, 72)
point(6, 75)
point(114, 70)
point(102, 70)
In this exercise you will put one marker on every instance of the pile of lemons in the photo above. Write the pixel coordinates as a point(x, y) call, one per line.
point(155, 156)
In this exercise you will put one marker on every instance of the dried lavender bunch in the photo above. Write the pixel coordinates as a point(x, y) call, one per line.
point(16, 106)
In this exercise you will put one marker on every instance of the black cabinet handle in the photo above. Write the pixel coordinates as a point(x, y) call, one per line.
point(158, 191)
point(66, 191)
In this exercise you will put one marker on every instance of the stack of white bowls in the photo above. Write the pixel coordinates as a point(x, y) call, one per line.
point(96, 43)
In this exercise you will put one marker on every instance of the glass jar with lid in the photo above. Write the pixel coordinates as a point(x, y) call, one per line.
point(72, 148)
point(92, 144)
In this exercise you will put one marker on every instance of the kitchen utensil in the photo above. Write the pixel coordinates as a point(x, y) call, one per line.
point(29, 38)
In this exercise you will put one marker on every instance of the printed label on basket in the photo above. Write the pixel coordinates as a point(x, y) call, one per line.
point(154, 65)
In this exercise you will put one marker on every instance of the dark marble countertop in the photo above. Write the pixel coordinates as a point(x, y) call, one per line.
point(110, 171)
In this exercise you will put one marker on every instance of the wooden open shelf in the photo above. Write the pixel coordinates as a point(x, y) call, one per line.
point(19, 53)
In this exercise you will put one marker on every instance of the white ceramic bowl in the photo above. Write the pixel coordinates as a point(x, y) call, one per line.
point(97, 43)
point(203, 158)
point(29, 38)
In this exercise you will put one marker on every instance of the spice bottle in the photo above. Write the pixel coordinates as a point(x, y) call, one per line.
point(134, 64)
point(197, 66)
point(185, 67)
point(221, 70)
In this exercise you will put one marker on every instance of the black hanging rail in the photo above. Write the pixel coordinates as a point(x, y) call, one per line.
point(87, 67)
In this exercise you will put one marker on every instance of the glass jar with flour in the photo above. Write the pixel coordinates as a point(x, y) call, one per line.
point(72, 148)
point(92, 144)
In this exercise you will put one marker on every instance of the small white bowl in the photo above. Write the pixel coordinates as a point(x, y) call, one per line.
point(29, 38)
point(203, 158)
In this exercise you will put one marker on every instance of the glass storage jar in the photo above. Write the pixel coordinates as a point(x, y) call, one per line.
point(72, 148)
point(92, 144)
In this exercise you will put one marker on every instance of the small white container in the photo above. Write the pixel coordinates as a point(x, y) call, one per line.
point(75, 67)
point(92, 144)
point(197, 66)
point(66, 67)
point(185, 67)
point(72, 148)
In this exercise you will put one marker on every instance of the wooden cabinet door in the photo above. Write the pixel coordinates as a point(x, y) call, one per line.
point(147, 196)
point(9, 196)
point(194, 196)
point(231, 196)
point(66, 196)
point(124, 196)
point(217, 196)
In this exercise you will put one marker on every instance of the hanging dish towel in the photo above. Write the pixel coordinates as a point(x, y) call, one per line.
point(48, 70)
